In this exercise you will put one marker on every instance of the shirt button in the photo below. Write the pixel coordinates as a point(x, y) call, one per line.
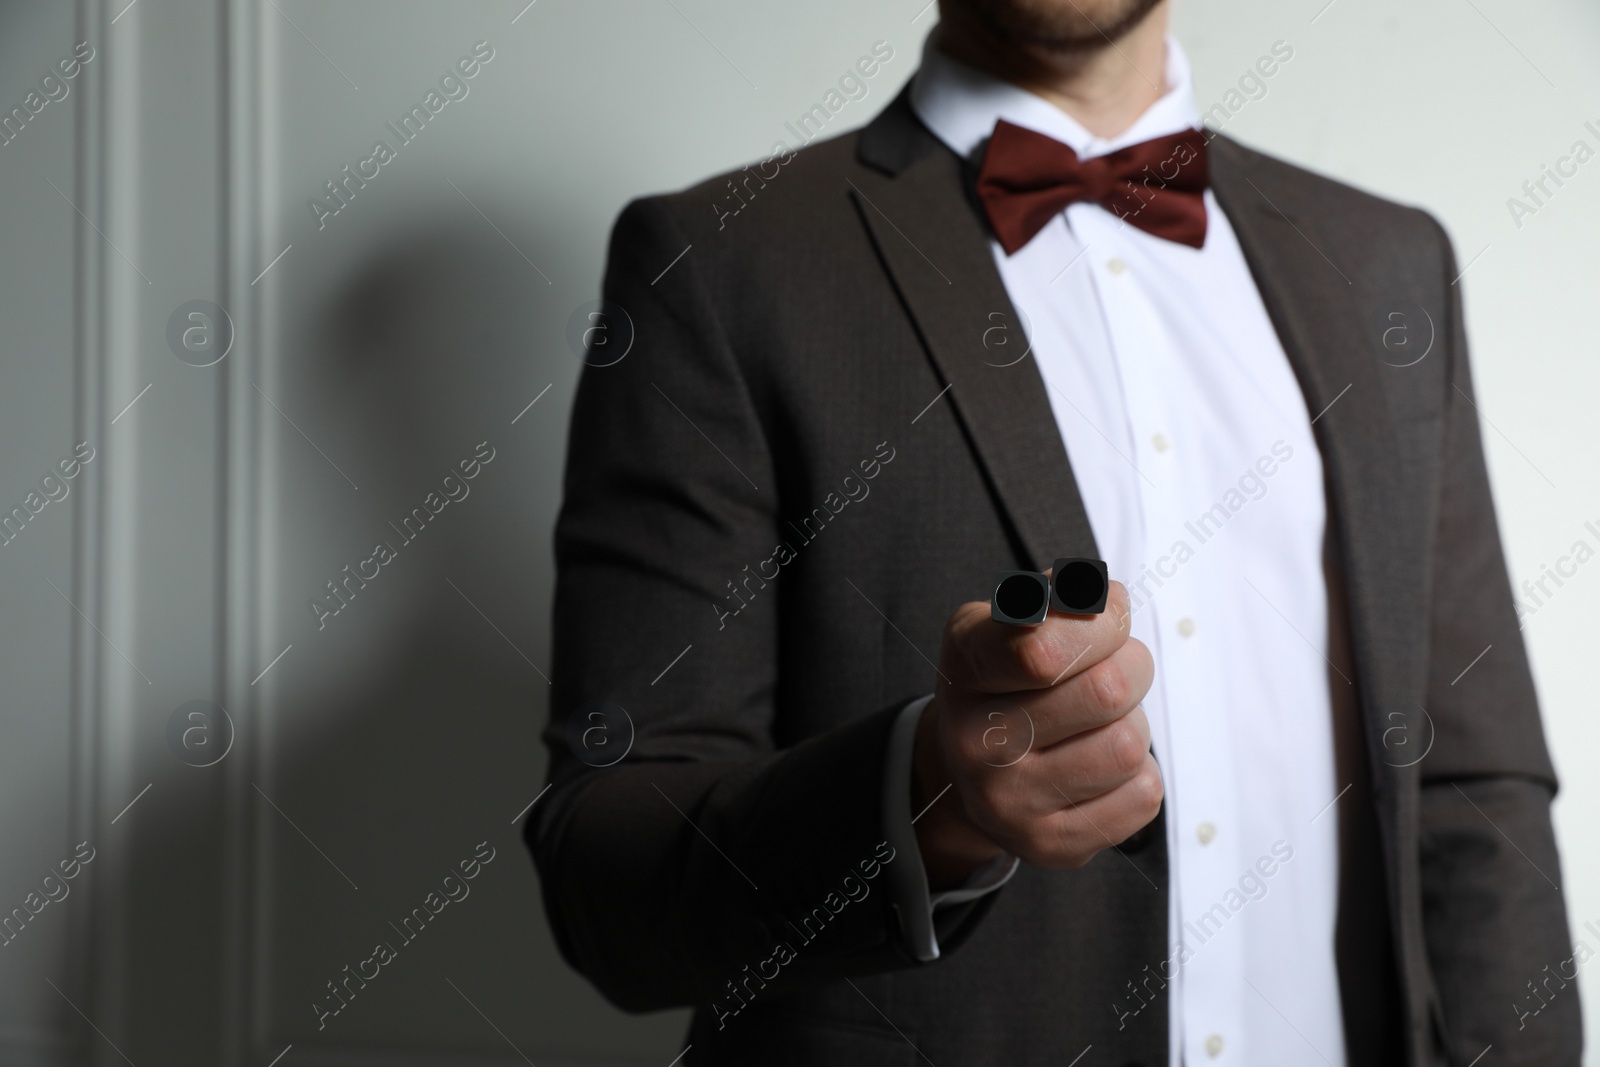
point(1214, 1045)
point(1186, 627)
point(1115, 265)
point(1206, 832)
point(1160, 442)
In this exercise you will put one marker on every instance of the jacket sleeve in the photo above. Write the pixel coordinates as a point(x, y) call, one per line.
point(685, 866)
point(1495, 922)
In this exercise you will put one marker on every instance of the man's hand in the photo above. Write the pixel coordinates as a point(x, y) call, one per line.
point(1038, 732)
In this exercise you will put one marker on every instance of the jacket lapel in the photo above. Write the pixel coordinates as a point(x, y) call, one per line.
point(936, 249)
point(1322, 310)
point(1318, 307)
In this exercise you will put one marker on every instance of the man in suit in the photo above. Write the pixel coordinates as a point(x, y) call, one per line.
point(1287, 801)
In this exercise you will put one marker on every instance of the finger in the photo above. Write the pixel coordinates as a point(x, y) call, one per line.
point(990, 657)
point(1072, 836)
point(1034, 784)
point(1092, 763)
point(1092, 697)
point(999, 729)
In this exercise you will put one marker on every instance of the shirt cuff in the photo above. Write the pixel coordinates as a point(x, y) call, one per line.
point(911, 898)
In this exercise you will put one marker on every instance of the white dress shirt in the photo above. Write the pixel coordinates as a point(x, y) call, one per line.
point(1194, 454)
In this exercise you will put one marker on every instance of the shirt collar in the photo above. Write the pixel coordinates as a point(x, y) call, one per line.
point(961, 104)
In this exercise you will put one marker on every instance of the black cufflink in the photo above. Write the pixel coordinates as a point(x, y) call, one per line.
point(1078, 586)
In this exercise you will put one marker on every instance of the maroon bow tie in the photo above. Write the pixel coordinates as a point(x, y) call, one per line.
point(1157, 185)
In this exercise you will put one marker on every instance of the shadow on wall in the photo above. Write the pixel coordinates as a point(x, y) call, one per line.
point(404, 734)
point(427, 715)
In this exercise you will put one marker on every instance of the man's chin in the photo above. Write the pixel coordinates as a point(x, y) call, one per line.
point(1058, 25)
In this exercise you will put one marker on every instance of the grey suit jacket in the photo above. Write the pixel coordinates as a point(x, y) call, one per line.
point(810, 455)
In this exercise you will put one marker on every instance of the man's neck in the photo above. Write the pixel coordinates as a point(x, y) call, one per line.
point(1104, 89)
